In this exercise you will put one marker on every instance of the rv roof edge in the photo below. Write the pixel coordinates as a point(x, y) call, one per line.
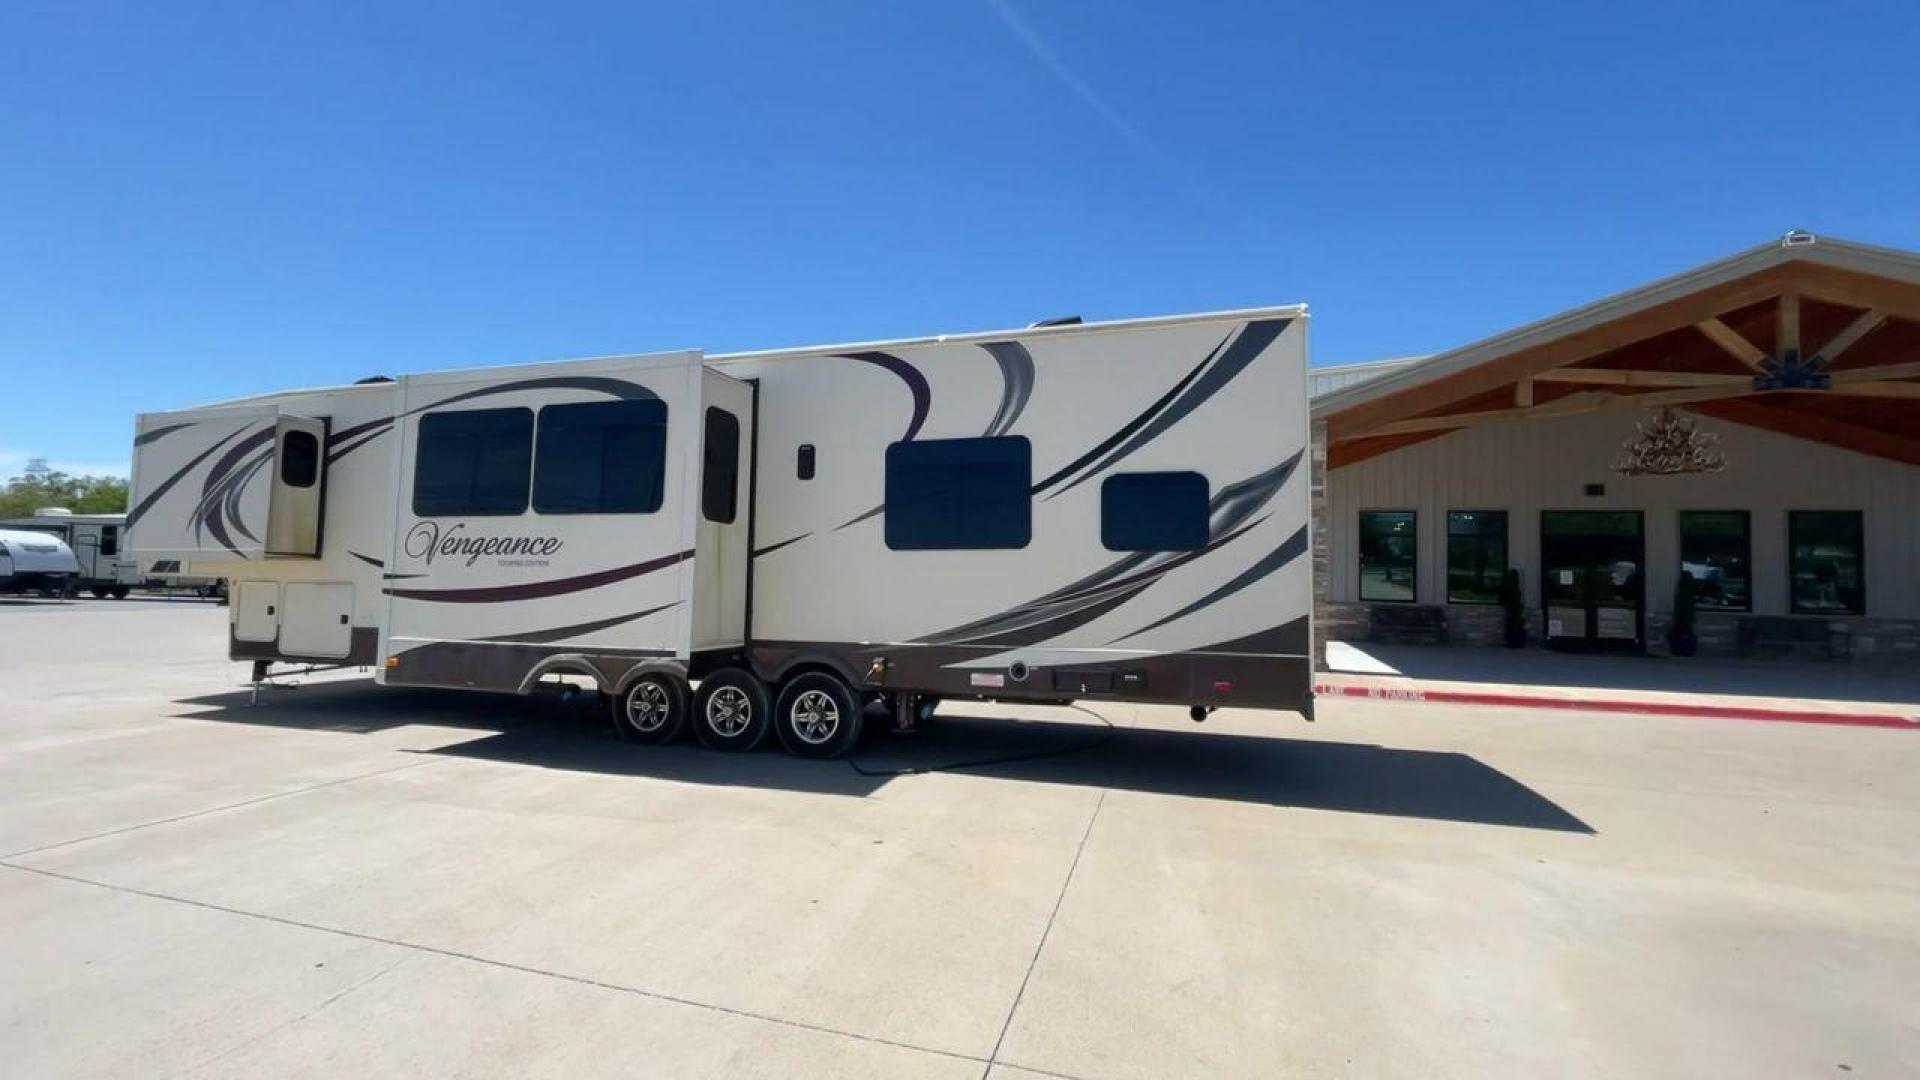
point(1294, 311)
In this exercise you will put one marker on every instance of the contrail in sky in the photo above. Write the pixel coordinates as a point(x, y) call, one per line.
point(1090, 97)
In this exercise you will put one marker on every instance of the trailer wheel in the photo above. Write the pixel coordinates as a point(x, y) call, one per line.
point(99, 592)
point(651, 711)
point(731, 710)
point(120, 592)
point(818, 716)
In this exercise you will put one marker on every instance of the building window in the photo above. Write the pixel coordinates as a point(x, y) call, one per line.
point(1716, 547)
point(473, 463)
point(1387, 555)
point(1476, 555)
point(601, 457)
point(1164, 511)
point(1826, 562)
point(720, 476)
point(299, 459)
point(959, 493)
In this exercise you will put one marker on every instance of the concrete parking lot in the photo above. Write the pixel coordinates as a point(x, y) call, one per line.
point(351, 880)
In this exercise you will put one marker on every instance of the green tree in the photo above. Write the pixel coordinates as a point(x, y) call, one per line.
point(80, 494)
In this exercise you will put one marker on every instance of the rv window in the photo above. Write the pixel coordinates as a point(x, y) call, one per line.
point(959, 493)
point(601, 457)
point(1164, 511)
point(299, 459)
point(805, 466)
point(109, 539)
point(720, 475)
point(473, 463)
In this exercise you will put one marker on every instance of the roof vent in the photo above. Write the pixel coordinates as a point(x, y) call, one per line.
point(369, 380)
point(1064, 320)
point(53, 511)
point(1797, 238)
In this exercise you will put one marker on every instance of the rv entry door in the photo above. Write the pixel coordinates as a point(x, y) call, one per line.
point(294, 510)
point(723, 512)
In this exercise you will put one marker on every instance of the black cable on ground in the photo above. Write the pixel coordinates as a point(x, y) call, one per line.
point(1103, 737)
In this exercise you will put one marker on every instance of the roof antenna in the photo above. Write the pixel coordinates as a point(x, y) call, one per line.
point(1797, 238)
point(1064, 320)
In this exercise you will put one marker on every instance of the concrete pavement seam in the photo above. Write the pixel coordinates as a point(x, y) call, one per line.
point(217, 809)
point(276, 1029)
point(1041, 945)
point(503, 964)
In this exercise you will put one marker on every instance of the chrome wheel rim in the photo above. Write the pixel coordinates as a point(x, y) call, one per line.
point(814, 717)
point(647, 707)
point(728, 711)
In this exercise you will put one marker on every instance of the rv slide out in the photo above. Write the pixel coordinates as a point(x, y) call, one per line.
point(774, 541)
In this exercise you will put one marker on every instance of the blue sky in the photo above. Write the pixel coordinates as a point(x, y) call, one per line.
point(202, 201)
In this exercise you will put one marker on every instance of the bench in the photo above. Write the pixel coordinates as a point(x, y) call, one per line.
point(1834, 640)
point(1388, 623)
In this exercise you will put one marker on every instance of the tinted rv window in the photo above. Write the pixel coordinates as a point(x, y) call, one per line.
point(109, 539)
point(601, 457)
point(299, 459)
point(473, 463)
point(959, 493)
point(1164, 511)
point(720, 471)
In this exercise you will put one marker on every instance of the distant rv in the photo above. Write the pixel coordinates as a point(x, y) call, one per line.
point(36, 562)
point(96, 541)
point(777, 541)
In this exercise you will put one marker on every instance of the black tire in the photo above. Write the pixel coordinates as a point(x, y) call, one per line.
point(652, 710)
point(120, 592)
point(819, 716)
point(99, 592)
point(731, 710)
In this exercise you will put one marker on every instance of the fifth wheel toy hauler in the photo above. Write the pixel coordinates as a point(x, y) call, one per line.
point(775, 540)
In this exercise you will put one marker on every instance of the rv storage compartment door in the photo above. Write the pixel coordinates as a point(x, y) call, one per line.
point(256, 610)
point(299, 487)
point(318, 620)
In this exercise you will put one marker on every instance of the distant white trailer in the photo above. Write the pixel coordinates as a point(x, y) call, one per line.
point(96, 540)
point(36, 562)
point(772, 541)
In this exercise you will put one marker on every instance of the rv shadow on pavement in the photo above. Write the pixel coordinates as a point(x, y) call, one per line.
point(545, 731)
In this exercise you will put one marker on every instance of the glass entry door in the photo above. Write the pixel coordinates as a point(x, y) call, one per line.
point(1593, 587)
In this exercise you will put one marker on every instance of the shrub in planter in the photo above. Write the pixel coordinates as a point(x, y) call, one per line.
point(1515, 605)
point(1680, 639)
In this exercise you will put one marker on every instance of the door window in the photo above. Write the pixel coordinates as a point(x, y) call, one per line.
point(1388, 555)
point(720, 470)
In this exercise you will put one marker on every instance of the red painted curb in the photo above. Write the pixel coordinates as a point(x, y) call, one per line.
point(1421, 694)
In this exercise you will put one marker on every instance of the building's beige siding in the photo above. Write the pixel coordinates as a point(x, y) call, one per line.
point(1526, 467)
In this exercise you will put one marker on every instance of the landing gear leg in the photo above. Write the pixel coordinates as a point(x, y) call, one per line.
point(259, 680)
